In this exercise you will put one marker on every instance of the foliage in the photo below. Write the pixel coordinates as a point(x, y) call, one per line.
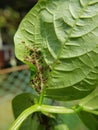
point(11, 13)
point(9, 20)
point(58, 40)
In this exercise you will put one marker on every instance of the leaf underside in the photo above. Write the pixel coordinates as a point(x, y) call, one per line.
point(66, 34)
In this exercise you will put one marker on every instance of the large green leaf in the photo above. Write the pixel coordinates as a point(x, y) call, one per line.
point(66, 34)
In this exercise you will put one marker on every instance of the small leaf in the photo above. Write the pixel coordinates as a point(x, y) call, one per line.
point(19, 104)
point(89, 120)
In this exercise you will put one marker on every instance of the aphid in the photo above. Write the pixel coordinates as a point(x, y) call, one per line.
point(37, 60)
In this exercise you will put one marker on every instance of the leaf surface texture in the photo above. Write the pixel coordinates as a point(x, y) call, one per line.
point(66, 33)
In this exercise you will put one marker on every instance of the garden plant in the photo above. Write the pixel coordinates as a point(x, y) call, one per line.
point(58, 40)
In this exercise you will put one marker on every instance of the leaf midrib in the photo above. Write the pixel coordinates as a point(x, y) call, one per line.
point(68, 37)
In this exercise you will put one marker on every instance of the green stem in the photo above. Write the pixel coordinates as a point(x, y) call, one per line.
point(41, 95)
point(16, 124)
point(90, 109)
point(42, 108)
point(56, 109)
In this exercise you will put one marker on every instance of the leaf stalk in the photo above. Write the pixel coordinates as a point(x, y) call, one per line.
point(42, 108)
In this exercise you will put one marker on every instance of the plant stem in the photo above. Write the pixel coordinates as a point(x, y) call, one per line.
point(41, 96)
point(56, 109)
point(36, 108)
point(16, 124)
point(90, 109)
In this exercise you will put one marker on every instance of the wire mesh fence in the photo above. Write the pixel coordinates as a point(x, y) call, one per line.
point(14, 81)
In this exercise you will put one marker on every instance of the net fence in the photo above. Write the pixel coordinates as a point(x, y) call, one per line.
point(14, 81)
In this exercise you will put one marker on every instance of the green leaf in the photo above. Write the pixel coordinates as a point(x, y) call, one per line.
point(19, 104)
point(61, 127)
point(89, 120)
point(66, 35)
point(90, 103)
